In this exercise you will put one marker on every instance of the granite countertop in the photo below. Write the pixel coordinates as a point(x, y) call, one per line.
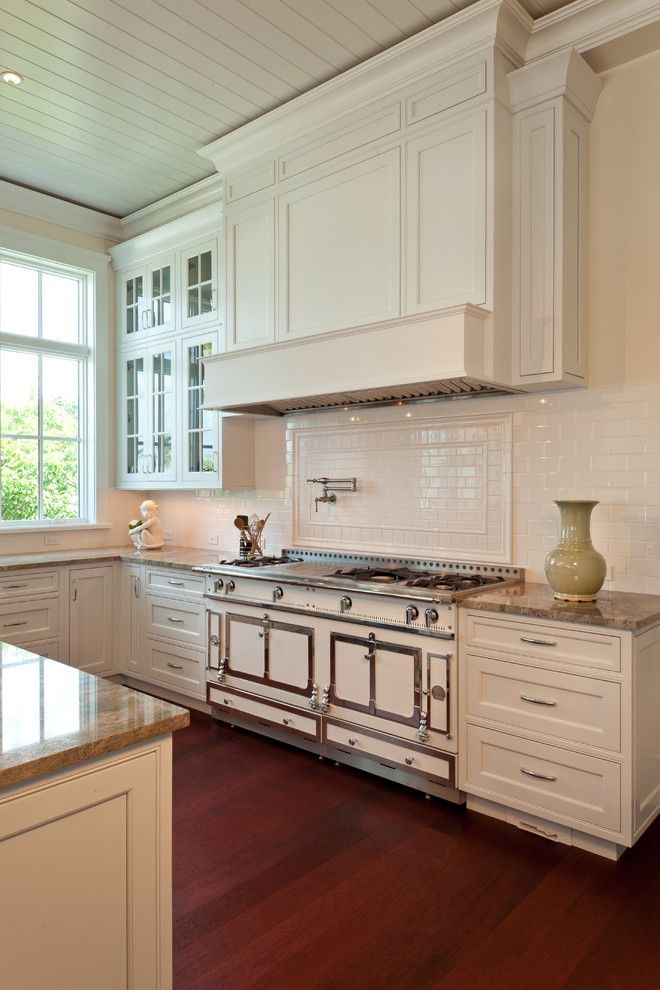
point(53, 716)
point(612, 609)
point(179, 557)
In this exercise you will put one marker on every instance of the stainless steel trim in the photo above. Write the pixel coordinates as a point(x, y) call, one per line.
point(538, 701)
point(401, 627)
point(537, 642)
point(537, 775)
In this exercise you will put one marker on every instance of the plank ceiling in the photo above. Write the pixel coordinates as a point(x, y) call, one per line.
point(118, 95)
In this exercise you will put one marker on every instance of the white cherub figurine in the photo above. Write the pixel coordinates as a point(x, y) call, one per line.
point(149, 534)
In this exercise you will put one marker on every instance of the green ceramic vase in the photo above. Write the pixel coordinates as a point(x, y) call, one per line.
point(574, 569)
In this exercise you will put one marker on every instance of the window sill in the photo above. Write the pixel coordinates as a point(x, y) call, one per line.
point(54, 527)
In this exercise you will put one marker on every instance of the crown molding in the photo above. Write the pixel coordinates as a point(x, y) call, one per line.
point(562, 74)
point(50, 209)
point(206, 192)
point(192, 225)
point(588, 24)
point(488, 23)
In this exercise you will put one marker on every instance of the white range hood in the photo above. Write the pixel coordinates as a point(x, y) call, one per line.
point(444, 355)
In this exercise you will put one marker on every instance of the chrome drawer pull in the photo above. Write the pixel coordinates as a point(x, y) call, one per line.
point(177, 584)
point(537, 642)
point(287, 721)
point(352, 742)
point(409, 760)
point(171, 618)
point(14, 587)
point(10, 625)
point(175, 666)
point(536, 775)
point(538, 701)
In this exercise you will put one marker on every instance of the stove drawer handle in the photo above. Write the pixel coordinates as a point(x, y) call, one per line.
point(537, 642)
point(538, 701)
point(352, 741)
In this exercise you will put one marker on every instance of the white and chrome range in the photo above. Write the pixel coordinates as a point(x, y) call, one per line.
point(353, 656)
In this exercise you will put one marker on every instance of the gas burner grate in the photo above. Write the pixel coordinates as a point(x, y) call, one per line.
point(377, 575)
point(260, 561)
point(452, 582)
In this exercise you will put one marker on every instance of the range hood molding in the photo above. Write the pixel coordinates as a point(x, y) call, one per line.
point(443, 354)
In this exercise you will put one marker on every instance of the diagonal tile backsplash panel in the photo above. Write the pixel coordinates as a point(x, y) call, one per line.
point(438, 485)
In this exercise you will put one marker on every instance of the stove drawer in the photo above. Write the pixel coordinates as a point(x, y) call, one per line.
point(437, 767)
point(543, 779)
point(267, 713)
point(549, 642)
point(569, 706)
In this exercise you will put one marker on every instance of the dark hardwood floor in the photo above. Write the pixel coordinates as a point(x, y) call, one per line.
point(292, 873)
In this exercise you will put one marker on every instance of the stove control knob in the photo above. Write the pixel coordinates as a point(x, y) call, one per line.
point(345, 604)
point(278, 594)
point(229, 587)
point(218, 585)
point(412, 613)
point(431, 616)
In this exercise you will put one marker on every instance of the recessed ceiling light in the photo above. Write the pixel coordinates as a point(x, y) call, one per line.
point(11, 77)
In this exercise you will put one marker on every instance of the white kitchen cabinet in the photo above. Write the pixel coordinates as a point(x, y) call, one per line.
point(91, 646)
point(558, 727)
point(132, 619)
point(446, 216)
point(200, 432)
point(133, 427)
point(339, 243)
point(147, 416)
point(85, 860)
point(199, 283)
point(147, 297)
point(553, 103)
point(250, 274)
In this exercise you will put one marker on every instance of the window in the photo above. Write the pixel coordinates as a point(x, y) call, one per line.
point(45, 386)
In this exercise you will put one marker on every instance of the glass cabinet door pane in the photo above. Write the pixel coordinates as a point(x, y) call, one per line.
point(199, 286)
point(200, 446)
point(134, 418)
point(162, 412)
point(161, 296)
point(133, 303)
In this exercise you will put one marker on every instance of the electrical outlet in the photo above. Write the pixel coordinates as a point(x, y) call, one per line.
point(212, 540)
point(52, 540)
point(168, 536)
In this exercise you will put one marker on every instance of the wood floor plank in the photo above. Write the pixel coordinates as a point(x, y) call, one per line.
point(293, 874)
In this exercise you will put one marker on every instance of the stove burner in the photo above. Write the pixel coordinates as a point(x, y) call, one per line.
point(447, 581)
point(377, 575)
point(259, 561)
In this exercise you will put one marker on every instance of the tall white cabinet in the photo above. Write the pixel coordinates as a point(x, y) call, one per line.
point(169, 324)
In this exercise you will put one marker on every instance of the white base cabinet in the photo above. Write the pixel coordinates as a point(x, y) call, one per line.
point(558, 727)
point(86, 853)
point(91, 644)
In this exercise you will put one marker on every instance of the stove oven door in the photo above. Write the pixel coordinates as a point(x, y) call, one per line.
point(376, 677)
point(262, 650)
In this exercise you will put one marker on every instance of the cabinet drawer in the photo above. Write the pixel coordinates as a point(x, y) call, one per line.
point(15, 586)
point(268, 713)
point(172, 582)
point(51, 649)
point(180, 622)
point(568, 706)
point(438, 767)
point(182, 670)
point(544, 641)
point(543, 778)
point(30, 622)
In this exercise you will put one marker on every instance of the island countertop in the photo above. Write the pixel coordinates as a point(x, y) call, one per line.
point(179, 557)
point(612, 609)
point(54, 716)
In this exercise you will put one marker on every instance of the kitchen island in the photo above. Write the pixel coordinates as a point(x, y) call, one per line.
point(85, 829)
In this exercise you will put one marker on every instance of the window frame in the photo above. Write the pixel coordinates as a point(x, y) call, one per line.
point(45, 255)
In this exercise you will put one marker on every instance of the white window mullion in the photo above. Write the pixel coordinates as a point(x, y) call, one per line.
point(40, 442)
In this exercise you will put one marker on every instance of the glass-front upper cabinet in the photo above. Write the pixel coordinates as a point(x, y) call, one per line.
point(160, 293)
point(161, 461)
point(200, 427)
point(134, 417)
point(133, 303)
point(199, 272)
point(147, 299)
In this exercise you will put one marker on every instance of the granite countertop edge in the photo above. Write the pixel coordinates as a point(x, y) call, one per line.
point(82, 752)
point(181, 558)
point(618, 610)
